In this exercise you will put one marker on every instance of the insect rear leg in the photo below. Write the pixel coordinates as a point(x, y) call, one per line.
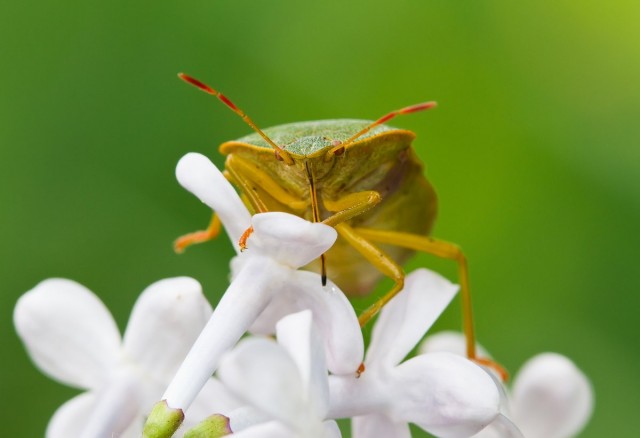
point(381, 261)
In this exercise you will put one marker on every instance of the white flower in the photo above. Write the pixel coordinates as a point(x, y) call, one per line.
point(284, 382)
point(550, 397)
point(72, 337)
point(266, 277)
point(444, 394)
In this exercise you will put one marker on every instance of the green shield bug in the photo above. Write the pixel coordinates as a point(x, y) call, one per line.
point(361, 177)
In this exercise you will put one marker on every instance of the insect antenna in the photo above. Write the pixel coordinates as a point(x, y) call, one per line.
point(406, 110)
point(281, 154)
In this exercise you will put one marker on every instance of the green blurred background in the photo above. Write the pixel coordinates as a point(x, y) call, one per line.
point(534, 151)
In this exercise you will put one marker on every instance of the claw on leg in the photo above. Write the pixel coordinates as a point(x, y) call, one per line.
point(243, 239)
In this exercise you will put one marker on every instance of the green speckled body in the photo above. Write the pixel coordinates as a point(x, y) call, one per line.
point(381, 160)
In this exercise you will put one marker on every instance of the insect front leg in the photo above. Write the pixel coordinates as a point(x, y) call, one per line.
point(249, 178)
point(381, 261)
point(445, 250)
point(350, 206)
point(441, 249)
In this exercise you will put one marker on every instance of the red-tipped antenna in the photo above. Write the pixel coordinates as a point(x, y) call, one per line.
point(406, 110)
point(281, 154)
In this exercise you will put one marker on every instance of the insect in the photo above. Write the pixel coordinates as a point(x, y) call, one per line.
point(361, 177)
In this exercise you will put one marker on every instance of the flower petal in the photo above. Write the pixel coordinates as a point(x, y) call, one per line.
point(70, 418)
point(245, 417)
point(501, 427)
point(445, 394)
point(377, 425)
point(214, 398)
point(112, 411)
point(244, 300)
point(333, 314)
point(164, 323)
point(260, 372)
point(134, 430)
point(289, 239)
point(405, 320)
point(271, 429)
point(68, 332)
point(280, 306)
point(552, 398)
point(297, 334)
point(331, 429)
point(116, 407)
point(450, 342)
point(196, 173)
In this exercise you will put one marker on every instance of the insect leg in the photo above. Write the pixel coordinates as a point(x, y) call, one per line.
point(350, 206)
point(378, 259)
point(187, 240)
point(440, 249)
point(249, 178)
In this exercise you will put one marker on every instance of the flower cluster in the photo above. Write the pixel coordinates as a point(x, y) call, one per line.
point(296, 385)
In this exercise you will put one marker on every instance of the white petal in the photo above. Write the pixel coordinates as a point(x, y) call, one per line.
point(331, 429)
point(405, 320)
point(70, 418)
point(112, 412)
point(68, 332)
point(333, 314)
point(196, 173)
point(245, 417)
point(289, 239)
point(378, 425)
point(244, 300)
point(444, 394)
point(335, 318)
point(261, 373)
point(116, 407)
point(298, 336)
point(552, 398)
point(214, 398)
point(135, 429)
point(164, 323)
point(280, 306)
point(501, 427)
point(353, 396)
point(272, 429)
point(450, 342)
